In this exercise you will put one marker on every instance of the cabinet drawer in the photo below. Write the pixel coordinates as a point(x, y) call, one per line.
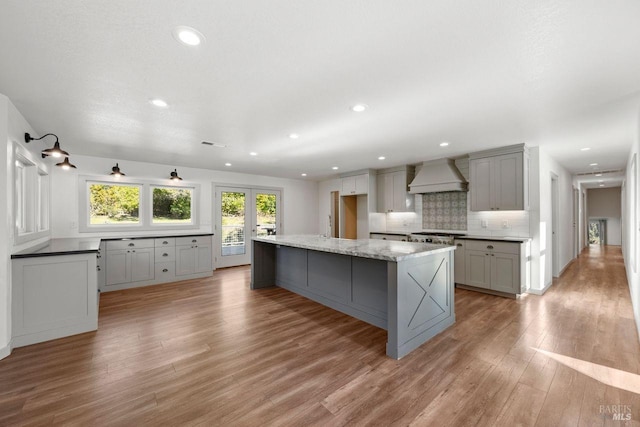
point(502, 247)
point(165, 271)
point(128, 244)
point(193, 240)
point(165, 242)
point(165, 254)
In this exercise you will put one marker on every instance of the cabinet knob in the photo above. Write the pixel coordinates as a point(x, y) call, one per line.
point(489, 246)
point(194, 241)
point(165, 254)
point(98, 268)
point(131, 244)
point(165, 243)
point(164, 270)
point(493, 254)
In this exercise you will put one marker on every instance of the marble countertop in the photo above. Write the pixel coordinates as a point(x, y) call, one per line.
point(386, 250)
point(495, 238)
point(60, 247)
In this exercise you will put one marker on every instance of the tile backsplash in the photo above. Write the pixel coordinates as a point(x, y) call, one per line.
point(444, 211)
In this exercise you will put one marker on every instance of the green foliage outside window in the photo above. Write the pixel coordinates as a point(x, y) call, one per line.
point(110, 204)
point(171, 205)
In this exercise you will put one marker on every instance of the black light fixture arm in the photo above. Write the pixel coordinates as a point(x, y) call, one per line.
point(28, 138)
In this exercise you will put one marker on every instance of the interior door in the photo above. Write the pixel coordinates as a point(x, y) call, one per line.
point(242, 213)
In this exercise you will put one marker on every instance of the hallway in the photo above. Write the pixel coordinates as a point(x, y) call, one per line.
point(212, 352)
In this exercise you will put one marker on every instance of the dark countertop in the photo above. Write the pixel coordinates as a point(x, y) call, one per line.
point(390, 233)
point(495, 238)
point(159, 236)
point(61, 247)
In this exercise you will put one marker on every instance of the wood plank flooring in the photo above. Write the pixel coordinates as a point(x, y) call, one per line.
point(212, 352)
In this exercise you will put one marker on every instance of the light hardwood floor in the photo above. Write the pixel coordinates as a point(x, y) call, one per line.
point(212, 352)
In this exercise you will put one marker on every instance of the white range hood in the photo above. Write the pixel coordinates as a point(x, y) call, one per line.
point(437, 176)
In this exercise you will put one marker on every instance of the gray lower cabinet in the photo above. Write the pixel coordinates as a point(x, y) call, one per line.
point(459, 274)
point(193, 258)
point(494, 265)
point(129, 265)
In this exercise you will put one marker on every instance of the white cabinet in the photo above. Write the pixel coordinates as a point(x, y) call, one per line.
point(495, 265)
point(358, 184)
point(499, 179)
point(193, 255)
point(459, 273)
point(101, 265)
point(129, 265)
point(393, 190)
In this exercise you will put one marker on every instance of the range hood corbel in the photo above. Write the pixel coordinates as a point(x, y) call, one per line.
point(437, 176)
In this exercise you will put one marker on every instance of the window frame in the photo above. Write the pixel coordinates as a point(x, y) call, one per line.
point(28, 204)
point(145, 212)
point(164, 226)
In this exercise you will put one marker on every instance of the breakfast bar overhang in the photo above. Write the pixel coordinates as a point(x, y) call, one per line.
point(405, 288)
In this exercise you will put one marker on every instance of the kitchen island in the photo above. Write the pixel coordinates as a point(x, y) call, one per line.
point(405, 288)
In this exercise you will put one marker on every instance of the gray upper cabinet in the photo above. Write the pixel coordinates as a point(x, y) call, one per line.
point(499, 179)
point(393, 189)
point(358, 184)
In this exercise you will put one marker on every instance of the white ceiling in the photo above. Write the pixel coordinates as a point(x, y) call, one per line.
point(478, 74)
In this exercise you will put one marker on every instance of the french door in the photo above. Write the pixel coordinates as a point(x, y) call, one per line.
point(242, 213)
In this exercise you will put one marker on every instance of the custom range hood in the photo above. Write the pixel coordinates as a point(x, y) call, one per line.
point(437, 176)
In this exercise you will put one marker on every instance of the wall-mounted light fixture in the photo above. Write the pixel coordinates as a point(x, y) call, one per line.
point(66, 165)
point(54, 151)
point(174, 175)
point(115, 171)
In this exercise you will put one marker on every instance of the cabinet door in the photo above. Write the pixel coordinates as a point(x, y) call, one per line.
point(203, 259)
point(480, 184)
point(478, 268)
point(399, 191)
point(348, 186)
point(185, 260)
point(508, 182)
point(385, 192)
point(505, 273)
point(118, 267)
point(142, 264)
point(459, 272)
point(362, 184)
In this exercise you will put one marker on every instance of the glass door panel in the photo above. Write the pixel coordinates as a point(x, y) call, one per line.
point(266, 203)
point(233, 236)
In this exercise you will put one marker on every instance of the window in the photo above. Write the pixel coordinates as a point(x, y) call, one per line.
point(30, 197)
point(126, 204)
point(114, 204)
point(171, 205)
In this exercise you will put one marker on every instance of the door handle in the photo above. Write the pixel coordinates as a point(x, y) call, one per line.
point(164, 270)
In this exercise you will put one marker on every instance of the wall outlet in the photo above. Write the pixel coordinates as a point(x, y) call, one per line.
point(484, 223)
point(505, 224)
point(73, 225)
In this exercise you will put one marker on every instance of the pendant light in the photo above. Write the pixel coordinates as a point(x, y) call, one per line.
point(66, 165)
point(115, 171)
point(54, 151)
point(174, 175)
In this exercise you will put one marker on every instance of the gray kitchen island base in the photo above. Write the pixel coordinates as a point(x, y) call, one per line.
point(411, 297)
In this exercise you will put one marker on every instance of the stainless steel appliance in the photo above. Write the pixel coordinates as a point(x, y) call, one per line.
point(431, 237)
point(390, 236)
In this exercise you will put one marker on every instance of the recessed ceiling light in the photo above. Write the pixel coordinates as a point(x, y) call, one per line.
point(187, 35)
point(335, 168)
point(303, 174)
point(598, 174)
point(159, 103)
point(381, 158)
point(294, 136)
point(227, 164)
point(253, 153)
point(444, 144)
point(585, 149)
point(593, 164)
point(359, 108)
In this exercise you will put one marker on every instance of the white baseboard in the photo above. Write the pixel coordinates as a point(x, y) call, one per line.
point(540, 291)
point(5, 351)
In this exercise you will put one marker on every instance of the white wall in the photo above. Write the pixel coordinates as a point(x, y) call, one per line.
point(299, 198)
point(605, 203)
point(632, 228)
point(542, 167)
